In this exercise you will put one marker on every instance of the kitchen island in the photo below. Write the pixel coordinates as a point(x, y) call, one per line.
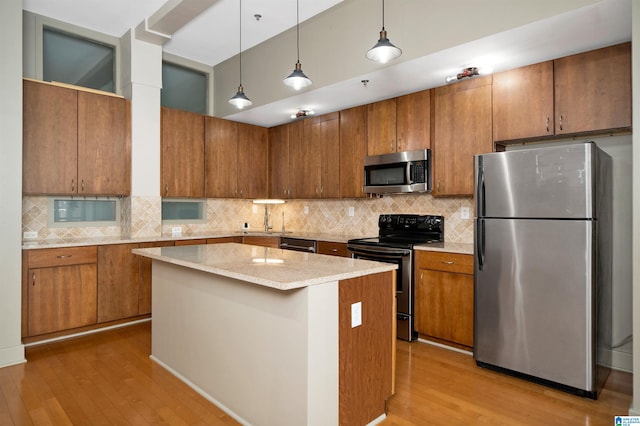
point(276, 337)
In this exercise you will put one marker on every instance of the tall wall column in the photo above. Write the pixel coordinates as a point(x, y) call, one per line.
point(141, 83)
point(11, 348)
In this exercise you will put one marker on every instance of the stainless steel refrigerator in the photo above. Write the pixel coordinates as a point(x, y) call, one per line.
point(543, 265)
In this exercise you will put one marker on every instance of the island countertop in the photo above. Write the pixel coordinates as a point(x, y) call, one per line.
point(270, 267)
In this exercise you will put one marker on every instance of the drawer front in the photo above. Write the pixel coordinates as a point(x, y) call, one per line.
point(273, 242)
point(447, 262)
point(44, 258)
point(333, 248)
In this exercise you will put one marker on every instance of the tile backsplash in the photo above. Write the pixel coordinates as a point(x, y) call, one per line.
point(141, 216)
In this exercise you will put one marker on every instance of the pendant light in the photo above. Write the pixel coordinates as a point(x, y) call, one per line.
point(384, 51)
point(297, 79)
point(240, 100)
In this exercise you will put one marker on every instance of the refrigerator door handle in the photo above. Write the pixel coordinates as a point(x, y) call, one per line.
point(480, 207)
point(480, 243)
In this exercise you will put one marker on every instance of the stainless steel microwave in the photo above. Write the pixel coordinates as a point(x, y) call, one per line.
point(408, 171)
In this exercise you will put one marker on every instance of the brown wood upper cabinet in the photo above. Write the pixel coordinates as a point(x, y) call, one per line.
point(399, 124)
point(182, 161)
point(593, 90)
point(316, 164)
point(381, 127)
point(523, 102)
point(462, 129)
point(75, 141)
point(253, 160)
point(279, 185)
point(585, 93)
point(236, 158)
point(353, 150)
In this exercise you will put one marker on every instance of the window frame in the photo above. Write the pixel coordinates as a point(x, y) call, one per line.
point(51, 223)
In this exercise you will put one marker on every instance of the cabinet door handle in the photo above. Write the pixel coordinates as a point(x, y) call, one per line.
point(33, 279)
point(166, 188)
point(421, 276)
point(82, 185)
point(399, 144)
point(561, 122)
point(73, 185)
point(65, 256)
point(547, 124)
point(447, 262)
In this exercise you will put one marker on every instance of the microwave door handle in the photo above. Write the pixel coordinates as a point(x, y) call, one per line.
point(408, 173)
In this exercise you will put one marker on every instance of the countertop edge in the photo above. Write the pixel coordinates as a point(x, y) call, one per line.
point(99, 241)
point(459, 248)
point(263, 281)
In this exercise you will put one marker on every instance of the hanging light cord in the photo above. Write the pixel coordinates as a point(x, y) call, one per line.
point(240, 42)
point(298, 28)
point(382, 15)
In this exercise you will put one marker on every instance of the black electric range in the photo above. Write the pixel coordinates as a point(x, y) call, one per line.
point(397, 235)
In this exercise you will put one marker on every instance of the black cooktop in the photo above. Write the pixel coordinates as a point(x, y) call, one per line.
point(405, 231)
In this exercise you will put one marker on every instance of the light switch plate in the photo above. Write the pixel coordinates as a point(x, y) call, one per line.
point(464, 212)
point(306, 209)
point(30, 235)
point(351, 211)
point(356, 314)
point(254, 208)
point(176, 231)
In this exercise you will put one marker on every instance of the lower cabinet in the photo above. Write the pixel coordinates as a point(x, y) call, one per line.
point(444, 297)
point(273, 242)
point(117, 282)
point(333, 248)
point(221, 240)
point(61, 289)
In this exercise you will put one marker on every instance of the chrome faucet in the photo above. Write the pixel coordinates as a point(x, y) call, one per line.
point(283, 223)
point(266, 218)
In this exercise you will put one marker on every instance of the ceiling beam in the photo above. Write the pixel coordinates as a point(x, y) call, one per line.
point(172, 16)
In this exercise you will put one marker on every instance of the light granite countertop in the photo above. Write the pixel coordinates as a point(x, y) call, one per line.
point(125, 239)
point(275, 268)
point(460, 248)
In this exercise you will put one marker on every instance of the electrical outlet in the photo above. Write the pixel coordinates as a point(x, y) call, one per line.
point(351, 211)
point(30, 235)
point(254, 208)
point(176, 231)
point(356, 314)
point(306, 209)
point(464, 212)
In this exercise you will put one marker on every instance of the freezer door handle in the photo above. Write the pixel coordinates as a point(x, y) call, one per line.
point(480, 243)
point(480, 206)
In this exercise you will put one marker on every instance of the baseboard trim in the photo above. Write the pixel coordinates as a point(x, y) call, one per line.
point(84, 333)
point(12, 355)
point(441, 345)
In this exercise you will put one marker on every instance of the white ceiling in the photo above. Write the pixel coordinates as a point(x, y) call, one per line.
point(210, 38)
point(206, 39)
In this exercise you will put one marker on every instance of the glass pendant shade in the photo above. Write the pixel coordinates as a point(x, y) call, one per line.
point(297, 79)
point(384, 51)
point(240, 100)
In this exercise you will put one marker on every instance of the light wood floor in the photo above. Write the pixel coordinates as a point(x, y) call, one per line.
point(107, 378)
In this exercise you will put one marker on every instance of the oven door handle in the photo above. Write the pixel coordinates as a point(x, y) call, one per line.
point(386, 254)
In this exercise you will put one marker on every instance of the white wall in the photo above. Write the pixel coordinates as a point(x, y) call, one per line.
point(635, 77)
point(11, 348)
